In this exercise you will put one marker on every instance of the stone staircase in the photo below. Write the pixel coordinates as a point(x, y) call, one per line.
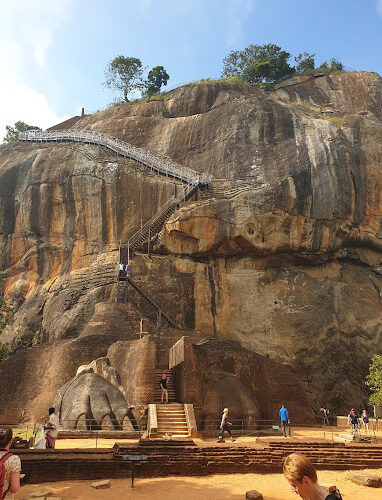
point(172, 419)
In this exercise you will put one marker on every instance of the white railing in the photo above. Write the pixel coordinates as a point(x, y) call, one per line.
point(122, 148)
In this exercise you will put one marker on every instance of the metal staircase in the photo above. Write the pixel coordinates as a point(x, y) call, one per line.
point(153, 225)
point(191, 178)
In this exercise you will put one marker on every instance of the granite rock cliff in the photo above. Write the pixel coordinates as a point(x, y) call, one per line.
point(283, 254)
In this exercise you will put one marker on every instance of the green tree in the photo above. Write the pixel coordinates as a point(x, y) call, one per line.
point(257, 63)
point(155, 79)
point(125, 74)
point(374, 380)
point(305, 62)
point(13, 132)
point(332, 65)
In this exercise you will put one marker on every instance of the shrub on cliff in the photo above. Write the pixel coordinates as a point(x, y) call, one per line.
point(374, 380)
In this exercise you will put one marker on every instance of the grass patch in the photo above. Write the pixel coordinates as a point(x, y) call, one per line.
point(305, 105)
point(340, 122)
point(231, 79)
point(161, 96)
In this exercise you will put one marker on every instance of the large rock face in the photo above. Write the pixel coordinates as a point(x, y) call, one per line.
point(283, 254)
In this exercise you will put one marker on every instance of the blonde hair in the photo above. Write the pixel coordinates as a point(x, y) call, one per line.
point(296, 466)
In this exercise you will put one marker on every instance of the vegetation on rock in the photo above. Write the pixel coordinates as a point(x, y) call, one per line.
point(155, 79)
point(4, 315)
point(126, 74)
point(269, 63)
point(374, 379)
point(13, 132)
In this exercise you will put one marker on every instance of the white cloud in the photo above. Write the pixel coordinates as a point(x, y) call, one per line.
point(379, 7)
point(26, 33)
point(19, 102)
point(238, 11)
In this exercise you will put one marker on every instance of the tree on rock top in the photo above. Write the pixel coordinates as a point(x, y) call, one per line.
point(13, 132)
point(305, 62)
point(258, 63)
point(155, 79)
point(124, 74)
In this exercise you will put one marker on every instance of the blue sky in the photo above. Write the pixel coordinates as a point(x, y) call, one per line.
point(53, 52)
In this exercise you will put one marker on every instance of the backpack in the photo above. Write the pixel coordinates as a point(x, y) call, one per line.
point(2, 475)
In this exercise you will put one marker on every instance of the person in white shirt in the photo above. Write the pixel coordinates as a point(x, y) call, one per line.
point(52, 426)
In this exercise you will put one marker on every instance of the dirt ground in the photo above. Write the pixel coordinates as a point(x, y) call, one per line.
point(298, 433)
point(217, 487)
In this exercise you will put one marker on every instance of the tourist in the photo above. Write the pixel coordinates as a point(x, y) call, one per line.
point(365, 420)
point(127, 269)
point(322, 415)
point(121, 270)
point(302, 477)
point(225, 425)
point(52, 426)
point(163, 385)
point(9, 464)
point(326, 416)
point(353, 419)
point(285, 422)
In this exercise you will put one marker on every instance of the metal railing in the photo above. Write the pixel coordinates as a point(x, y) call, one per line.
point(174, 200)
point(154, 162)
point(160, 313)
point(259, 428)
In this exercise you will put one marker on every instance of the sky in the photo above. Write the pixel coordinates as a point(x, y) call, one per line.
point(53, 53)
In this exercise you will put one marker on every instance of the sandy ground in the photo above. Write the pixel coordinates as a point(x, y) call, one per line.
point(217, 487)
point(298, 433)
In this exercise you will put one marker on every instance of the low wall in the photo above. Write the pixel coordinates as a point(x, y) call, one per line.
point(59, 465)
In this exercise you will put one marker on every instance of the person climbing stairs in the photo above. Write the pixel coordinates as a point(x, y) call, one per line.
point(170, 386)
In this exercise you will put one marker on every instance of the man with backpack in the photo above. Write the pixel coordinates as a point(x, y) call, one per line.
point(10, 467)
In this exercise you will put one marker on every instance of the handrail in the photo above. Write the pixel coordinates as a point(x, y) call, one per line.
point(159, 309)
point(122, 148)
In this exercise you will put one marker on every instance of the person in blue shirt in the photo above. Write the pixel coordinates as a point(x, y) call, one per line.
point(285, 422)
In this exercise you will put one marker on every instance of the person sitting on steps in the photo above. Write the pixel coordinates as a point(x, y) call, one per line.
point(163, 385)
